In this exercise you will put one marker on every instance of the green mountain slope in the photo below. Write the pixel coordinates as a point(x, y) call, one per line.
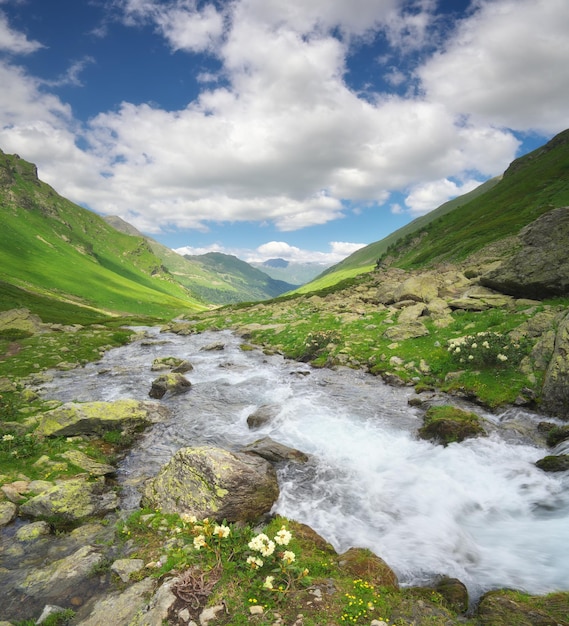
point(531, 186)
point(237, 281)
point(214, 278)
point(53, 249)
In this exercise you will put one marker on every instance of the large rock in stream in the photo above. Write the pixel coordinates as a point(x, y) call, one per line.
point(211, 482)
point(97, 418)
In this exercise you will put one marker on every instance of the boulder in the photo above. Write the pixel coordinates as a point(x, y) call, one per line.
point(169, 383)
point(554, 463)
point(420, 288)
point(261, 416)
point(20, 322)
point(33, 531)
point(362, 563)
point(410, 330)
point(8, 512)
point(454, 592)
point(555, 391)
point(411, 313)
point(211, 482)
point(71, 500)
point(540, 268)
point(505, 608)
point(275, 452)
point(96, 418)
point(447, 424)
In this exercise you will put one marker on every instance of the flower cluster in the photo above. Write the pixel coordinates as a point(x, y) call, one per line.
point(360, 603)
point(487, 349)
point(283, 573)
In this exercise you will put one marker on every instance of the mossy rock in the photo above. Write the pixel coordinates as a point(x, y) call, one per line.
point(448, 424)
point(511, 608)
point(554, 463)
point(362, 563)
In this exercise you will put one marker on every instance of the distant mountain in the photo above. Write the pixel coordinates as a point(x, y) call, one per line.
point(531, 186)
point(246, 282)
point(275, 263)
point(214, 278)
point(293, 273)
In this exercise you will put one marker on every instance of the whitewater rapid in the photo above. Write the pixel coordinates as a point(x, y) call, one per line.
point(479, 510)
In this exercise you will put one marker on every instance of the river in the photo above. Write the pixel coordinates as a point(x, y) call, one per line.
point(479, 510)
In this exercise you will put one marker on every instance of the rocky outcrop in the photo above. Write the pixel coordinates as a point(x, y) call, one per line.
point(539, 269)
point(555, 392)
point(362, 563)
point(96, 418)
point(20, 322)
point(211, 482)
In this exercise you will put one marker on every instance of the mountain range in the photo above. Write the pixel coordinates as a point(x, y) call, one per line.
point(69, 263)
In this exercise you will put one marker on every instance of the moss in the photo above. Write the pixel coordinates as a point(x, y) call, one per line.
point(447, 424)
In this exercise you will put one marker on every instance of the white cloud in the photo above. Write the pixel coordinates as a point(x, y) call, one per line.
point(428, 196)
point(280, 249)
point(285, 140)
point(13, 41)
point(506, 65)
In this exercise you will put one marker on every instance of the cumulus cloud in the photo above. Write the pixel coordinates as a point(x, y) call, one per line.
point(13, 41)
point(506, 65)
point(283, 138)
point(428, 196)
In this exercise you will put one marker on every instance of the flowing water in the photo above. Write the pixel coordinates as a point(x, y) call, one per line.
point(479, 511)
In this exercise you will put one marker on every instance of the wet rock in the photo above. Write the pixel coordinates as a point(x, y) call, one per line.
point(216, 345)
point(447, 424)
point(263, 415)
point(123, 609)
point(275, 452)
point(454, 592)
point(33, 531)
point(62, 576)
point(96, 418)
point(177, 365)
point(554, 463)
point(211, 482)
point(169, 383)
point(72, 500)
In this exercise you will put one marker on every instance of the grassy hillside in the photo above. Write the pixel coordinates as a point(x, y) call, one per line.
point(52, 249)
point(532, 185)
point(235, 280)
point(214, 278)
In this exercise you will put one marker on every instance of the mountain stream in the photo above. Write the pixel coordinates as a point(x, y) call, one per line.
point(479, 511)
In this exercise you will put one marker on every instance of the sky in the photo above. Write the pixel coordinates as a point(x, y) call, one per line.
point(300, 129)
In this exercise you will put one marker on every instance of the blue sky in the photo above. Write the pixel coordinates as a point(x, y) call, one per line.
point(278, 128)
